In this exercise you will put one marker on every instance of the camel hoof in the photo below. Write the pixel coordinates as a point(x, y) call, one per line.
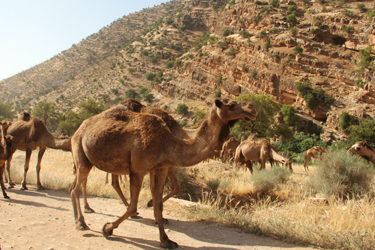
point(81, 226)
point(40, 188)
point(150, 203)
point(135, 216)
point(107, 230)
point(24, 188)
point(11, 185)
point(6, 197)
point(169, 244)
point(88, 210)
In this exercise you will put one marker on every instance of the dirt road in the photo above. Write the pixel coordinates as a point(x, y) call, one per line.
point(44, 220)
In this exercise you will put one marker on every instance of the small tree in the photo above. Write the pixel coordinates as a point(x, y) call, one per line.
point(275, 3)
point(150, 76)
point(217, 93)
point(346, 120)
point(298, 50)
point(182, 109)
point(289, 115)
point(292, 19)
point(169, 64)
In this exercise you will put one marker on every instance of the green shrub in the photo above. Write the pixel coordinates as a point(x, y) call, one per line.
point(217, 93)
point(370, 13)
point(364, 131)
point(150, 76)
point(131, 93)
point(292, 19)
point(292, 8)
point(300, 143)
point(254, 73)
point(289, 115)
point(347, 29)
point(293, 31)
point(361, 7)
point(341, 174)
point(182, 109)
point(245, 33)
point(169, 64)
point(346, 120)
point(275, 3)
point(366, 57)
point(220, 80)
point(199, 114)
point(348, 13)
point(298, 50)
point(226, 32)
point(231, 52)
point(265, 181)
point(319, 24)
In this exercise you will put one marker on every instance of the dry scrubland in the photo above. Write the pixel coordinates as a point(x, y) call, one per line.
point(288, 210)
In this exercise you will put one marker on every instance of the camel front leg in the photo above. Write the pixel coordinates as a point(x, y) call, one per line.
point(175, 186)
point(38, 167)
point(136, 180)
point(2, 181)
point(27, 163)
point(158, 179)
point(249, 165)
point(7, 170)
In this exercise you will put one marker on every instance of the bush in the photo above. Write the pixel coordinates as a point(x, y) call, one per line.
point(341, 174)
point(348, 13)
point(292, 19)
point(275, 3)
point(347, 29)
point(169, 64)
point(220, 80)
point(150, 76)
point(346, 120)
point(319, 24)
point(364, 131)
point(265, 181)
point(245, 33)
point(298, 50)
point(131, 93)
point(226, 32)
point(231, 52)
point(217, 93)
point(289, 115)
point(361, 7)
point(199, 114)
point(300, 143)
point(182, 109)
point(293, 31)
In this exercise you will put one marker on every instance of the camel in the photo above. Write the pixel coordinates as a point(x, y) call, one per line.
point(29, 133)
point(123, 142)
point(255, 149)
point(363, 149)
point(4, 125)
point(229, 147)
point(5, 151)
point(313, 152)
point(176, 130)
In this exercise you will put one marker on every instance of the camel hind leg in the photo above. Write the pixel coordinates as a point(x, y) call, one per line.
point(116, 186)
point(82, 170)
point(26, 168)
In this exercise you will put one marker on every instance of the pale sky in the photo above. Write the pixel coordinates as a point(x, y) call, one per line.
point(32, 31)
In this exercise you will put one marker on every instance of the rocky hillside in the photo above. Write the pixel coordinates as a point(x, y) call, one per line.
point(199, 47)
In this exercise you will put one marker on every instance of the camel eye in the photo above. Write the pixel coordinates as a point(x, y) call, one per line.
point(231, 106)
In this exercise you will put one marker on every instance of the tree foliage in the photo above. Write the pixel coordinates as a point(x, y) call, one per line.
point(347, 120)
point(289, 115)
point(181, 109)
point(46, 111)
point(364, 131)
point(263, 126)
point(6, 112)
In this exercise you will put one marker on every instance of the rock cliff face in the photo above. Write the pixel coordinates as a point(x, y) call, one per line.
point(236, 46)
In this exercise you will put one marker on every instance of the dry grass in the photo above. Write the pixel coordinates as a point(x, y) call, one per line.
point(294, 216)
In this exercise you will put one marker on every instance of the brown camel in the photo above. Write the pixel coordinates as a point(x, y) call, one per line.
point(4, 125)
point(5, 152)
point(29, 133)
point(122, 142)
point(229, 147)
point(255, 149)
point(176, 130)
point(313, 152)
point(363, 149)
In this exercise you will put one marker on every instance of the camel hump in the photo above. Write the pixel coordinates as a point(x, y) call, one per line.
point(132, 104)
point(24, 116)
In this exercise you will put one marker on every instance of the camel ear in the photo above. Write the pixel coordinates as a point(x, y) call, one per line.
point(218, 103)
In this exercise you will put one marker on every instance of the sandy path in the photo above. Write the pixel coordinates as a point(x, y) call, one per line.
point(44, 220)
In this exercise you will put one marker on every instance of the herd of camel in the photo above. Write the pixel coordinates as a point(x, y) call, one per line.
point(135, 140)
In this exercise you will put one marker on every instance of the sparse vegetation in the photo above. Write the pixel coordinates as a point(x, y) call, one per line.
point(182, 109)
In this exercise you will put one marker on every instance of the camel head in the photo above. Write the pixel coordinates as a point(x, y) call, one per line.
point(359, 148)
point(5, 125)
point(230, 110)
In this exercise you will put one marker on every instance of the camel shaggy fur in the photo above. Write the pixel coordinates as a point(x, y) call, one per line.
point(313, 152)
point(255, 149)
point(122, 142)
point(363, 149)
point(28, 134)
